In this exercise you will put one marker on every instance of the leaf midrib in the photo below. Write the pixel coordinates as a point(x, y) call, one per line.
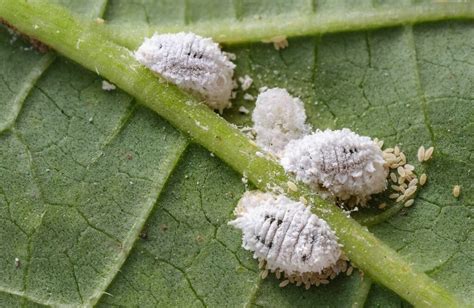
point(247, 30)
point(27, 85)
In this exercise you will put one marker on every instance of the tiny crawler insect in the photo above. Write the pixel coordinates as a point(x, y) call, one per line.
point(421, 154)
point(292, 186)
point(423, 179)
point(401, 171)
point(245, 82)
point(346, 164)
point(393, 177)
point(278, 118)
point(428, 153)
point(349, 271)
point(456, 191)
point(287, 237)
point(107, 86)
point(192, 62)
point(279, 42)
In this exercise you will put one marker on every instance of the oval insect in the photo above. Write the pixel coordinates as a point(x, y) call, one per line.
point(192, 62)
point(278, 118)
point(286, 235)
point(346, 164)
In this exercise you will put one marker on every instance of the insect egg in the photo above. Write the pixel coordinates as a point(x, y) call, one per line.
point(287, 236)
point(194, 63)
point(278, 118)
point(344, 163)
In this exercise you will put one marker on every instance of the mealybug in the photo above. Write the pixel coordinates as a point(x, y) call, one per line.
point(287, 237)
point(344, 163)
point(278, 118)
point(193, 63)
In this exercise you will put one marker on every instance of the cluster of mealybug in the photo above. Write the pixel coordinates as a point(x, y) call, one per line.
point(346, 164)
point(283, 234)
point(341, 163)
point(278, 118)
point(193, 63)
point(286, 235)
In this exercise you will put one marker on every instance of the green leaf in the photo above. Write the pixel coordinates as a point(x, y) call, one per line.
point(190, 247)
point(234, 22)
point(82, 169)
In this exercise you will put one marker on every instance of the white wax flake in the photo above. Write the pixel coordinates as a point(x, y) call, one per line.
point(78, 43)
point(245, 82)
point(193, 63)
point(285, 233)
point(107, 86)
point(279, 42)
point(346, 164)
point(278, 118)
point(248, 97)
point(243, 110)
point(230, 55)
point(204, 127)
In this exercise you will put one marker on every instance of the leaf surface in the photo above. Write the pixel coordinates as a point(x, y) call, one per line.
point(84, 172)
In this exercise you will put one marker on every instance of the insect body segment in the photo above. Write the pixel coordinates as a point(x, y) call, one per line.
point(193, 63)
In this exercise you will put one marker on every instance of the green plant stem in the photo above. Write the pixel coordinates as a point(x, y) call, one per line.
point(84, 44)
point(292, 24)
point(372, 220)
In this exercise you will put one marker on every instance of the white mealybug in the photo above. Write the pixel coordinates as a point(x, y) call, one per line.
point(278, 118)
point(192, 62)
point(286, 236)
point(346, 164)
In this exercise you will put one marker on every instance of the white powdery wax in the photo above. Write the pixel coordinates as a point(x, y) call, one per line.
point(285, 233)
point(346, 164)
point(278, 118)
point(193, 63)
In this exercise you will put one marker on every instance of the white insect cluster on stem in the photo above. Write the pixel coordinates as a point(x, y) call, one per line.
point(278, 118)
point(341, 161)
point(286, 235)
point(192, 62)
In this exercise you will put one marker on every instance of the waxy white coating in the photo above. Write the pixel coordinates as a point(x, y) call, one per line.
point(285, 233)
point(343, 162)
point(193, 63)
